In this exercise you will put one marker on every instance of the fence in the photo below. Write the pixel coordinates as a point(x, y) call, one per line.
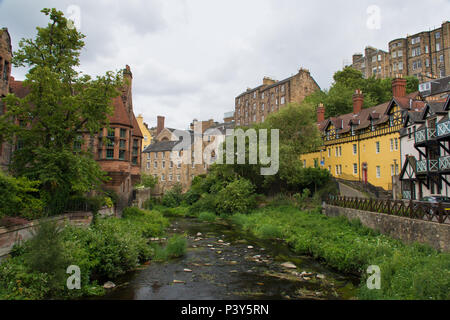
point(409, 209)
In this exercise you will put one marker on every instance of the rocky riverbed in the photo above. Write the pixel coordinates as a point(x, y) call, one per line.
point(225, 263)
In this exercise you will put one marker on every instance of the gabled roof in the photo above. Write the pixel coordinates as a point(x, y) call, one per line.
point(379, 114)
point(120, 115)
point(136, 130)
point(411, 163)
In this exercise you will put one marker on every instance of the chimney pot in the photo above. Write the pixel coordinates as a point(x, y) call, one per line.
point(321, 113)
point(160, 125)
point(358, 101)
point(399, 87)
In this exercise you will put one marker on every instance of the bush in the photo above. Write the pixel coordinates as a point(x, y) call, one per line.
point(206, 203)
point(176, 246)
point(174, 197)
point(268, 231)
point(238, 196)
point(19, 197)
point(207, 216)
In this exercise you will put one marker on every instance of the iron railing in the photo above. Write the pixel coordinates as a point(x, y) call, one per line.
point(443, 129)
point(438, 213)
point(425, 135)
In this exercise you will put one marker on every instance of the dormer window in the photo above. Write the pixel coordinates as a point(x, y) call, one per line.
point(328, 135)
point(353, 127)
point(372, 125)
point(391, 120)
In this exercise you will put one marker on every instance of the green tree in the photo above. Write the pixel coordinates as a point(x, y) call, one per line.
point(19, 197)
point(62, 105)
point(339, 98)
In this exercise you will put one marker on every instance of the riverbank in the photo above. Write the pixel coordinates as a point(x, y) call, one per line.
point(407, 271)
point(223, 262)
point(104, 251)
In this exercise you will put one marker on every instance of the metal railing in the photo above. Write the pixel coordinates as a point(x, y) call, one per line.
point(443, 129)
point(409, 209)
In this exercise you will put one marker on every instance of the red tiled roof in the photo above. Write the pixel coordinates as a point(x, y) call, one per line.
point(120, 113)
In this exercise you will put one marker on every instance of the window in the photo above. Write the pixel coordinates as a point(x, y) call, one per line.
point(426, 49)
point(304, 163)
point(415, 52)
point(283, 100)
point(110, 154)
point(409, 133)
point(163, 177)
point(392, 145)
point(396, 144)
point(171, 165)
point(337, 152)
point(170, 177)
point(437, 35)
point(427, 63)
point(148, 165)
point(135, 151)
point(337, 170)
point(400, 53)
point(374, 58)
point(163, 164)
point(378, 172)
point(441, 58)
point(438, 46)
point(262, 95)
point(122, 156)
point(400, 66)
point(179, 165)
point(355, 168)
point(282, 88)
point(178, 177)
point(394, 54)
point(377, 145)
point(5, 70)
point(392, 170)
point(415, 40)
point(340, 151)
point(355, 149)
point(262, 107)
point(329, 152)
point(379, 57)
point(155, 164)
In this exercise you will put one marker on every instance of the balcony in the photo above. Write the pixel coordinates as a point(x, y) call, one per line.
point(426, 166)
point(443, 129)
point(444, 164)
point(425, 135)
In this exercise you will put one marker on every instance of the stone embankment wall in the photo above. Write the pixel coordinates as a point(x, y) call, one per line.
point(405, 229)
point(9, 236)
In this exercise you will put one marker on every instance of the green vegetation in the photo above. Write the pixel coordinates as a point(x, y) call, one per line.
point(61, 104)
point(147, 181)
point(207, 216)
point(110, 248)
point(339, 98)
point(407, 271)
point(176, 247)
point(18, 197)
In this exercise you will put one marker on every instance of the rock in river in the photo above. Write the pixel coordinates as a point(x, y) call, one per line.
point(109, 285)
point(289, 265)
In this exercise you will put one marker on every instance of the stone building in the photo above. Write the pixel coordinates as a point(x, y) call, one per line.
point(254, 105)
point(172, 161)
point(435, 90)
point(425, 55)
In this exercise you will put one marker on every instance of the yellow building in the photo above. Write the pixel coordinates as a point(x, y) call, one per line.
point(364, 145)
point(145, 132)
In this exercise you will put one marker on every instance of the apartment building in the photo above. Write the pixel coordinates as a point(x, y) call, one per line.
point(365, 145)
point(425, 141)
point(254, 105)
point(173, 161)
point(425, 55)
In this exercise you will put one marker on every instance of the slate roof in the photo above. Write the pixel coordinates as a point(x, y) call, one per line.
point(162, 146)
point(438, 86)
point(377, 113)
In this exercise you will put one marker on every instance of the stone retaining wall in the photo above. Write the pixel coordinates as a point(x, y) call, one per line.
point(9, 236)
point(405, 229)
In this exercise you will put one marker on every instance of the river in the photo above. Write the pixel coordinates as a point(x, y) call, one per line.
point(224, 263)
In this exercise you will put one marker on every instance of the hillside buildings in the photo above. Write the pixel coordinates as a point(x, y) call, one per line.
point(425, 55)
point(173, 161)
point(254, 105)
point(146, 132)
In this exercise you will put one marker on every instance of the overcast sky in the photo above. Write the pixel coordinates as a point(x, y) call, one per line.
point(191, 58)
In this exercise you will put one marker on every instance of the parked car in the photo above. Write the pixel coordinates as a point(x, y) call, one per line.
point(436, 200)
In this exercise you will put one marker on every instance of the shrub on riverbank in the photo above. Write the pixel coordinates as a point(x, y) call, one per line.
point(407, 271)
point(103, 251)
point(207, 216)
point(176, 247)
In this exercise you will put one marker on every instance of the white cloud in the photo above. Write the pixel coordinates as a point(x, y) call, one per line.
point(190, 58)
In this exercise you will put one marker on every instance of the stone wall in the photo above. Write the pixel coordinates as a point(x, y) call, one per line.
point(405, 229)
point(9, 236)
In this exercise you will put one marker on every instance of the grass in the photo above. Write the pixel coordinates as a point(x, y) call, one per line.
point(176, 247)
point(103, 251)
point(407, 271)
point(207, 216)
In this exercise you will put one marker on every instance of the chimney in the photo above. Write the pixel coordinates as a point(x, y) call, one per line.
point(268, 81)
point(399, 86)
point(160, 126)
point(320, 113)
point(358, 101)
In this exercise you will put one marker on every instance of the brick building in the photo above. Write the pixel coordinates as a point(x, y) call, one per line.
point(165, 160)
point(5, 75)
point(254, 105)
point(117, 150)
